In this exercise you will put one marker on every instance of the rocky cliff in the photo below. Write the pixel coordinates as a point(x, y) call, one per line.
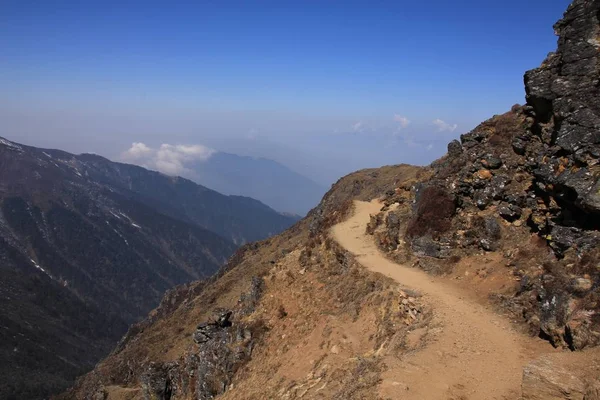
point(533, 170)
point(562, 144)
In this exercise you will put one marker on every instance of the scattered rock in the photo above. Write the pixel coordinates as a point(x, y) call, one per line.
point(510, 212)
point(492, 162)
point(486, 244)
point(484, 174)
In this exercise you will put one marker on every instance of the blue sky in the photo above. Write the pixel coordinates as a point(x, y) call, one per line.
point(326, 87)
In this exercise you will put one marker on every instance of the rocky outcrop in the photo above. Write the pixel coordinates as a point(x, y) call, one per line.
point(223, 344)
point(563, 144)
point(533, 170)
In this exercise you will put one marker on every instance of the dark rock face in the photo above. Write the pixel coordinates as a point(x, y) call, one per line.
point(156, 382)
point(207, 330)
point(223, 345)
point(535, 169)
point(563, 148)
point(553, 143)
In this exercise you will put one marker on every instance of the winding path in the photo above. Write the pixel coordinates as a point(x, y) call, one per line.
point(474, 353)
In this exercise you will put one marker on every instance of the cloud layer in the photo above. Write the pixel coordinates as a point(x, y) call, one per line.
point(168, 159)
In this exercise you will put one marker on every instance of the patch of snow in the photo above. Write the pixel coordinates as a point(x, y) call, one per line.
point(121, 236)
point(40, 268)
point(46, 154)
point(136, 225)
point(10, 145)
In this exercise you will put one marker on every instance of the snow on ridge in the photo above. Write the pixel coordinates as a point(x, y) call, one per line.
point(10, 145)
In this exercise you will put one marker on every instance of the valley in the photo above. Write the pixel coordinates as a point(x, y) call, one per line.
point(89, 247)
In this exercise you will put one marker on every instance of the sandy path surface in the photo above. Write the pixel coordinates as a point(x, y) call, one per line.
point(475, 353)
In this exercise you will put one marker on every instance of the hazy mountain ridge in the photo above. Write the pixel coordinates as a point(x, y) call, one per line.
point(238, 218)
point(259, 178)
point(88, 246)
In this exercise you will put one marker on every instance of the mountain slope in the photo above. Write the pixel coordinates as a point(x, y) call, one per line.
point(259, 178)
point(506, 222)
point(237, 218)
point(87, 247)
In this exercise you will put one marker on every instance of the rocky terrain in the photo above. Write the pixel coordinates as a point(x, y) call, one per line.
point(88, 247)
point(506, 226)
point(535, 170)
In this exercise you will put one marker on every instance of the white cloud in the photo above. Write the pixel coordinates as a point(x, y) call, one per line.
point(358, 127)
point(136, 152)
point(403, 122)
point(168, 159)
point(444, 126)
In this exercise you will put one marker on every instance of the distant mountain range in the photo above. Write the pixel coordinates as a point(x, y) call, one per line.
point(260, 178)
point(266, 180)
point(88, 246)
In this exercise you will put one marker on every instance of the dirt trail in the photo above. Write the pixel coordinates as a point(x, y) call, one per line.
point(474, 352)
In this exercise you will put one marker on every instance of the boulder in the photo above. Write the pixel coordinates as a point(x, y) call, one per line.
point(492, 162)
point(455, 149)
point(510, 212)
point(544, 379)
point(426, 246)
point(484, 174)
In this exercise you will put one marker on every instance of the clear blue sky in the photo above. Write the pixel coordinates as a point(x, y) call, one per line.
point(307, 82)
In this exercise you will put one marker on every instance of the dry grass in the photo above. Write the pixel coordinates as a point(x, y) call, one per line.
point(435, 209)
point(505, 128)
